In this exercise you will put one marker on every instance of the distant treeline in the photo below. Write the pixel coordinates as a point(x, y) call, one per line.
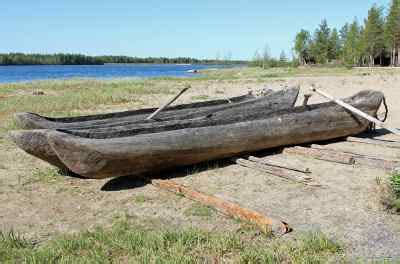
point(79, 59)
point(376, 41)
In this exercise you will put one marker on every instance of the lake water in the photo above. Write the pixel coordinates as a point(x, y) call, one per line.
point(9, 74)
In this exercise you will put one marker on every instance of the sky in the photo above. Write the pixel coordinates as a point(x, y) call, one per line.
point(171, 28)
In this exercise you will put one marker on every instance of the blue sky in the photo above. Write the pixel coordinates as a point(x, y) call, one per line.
point(170, 28)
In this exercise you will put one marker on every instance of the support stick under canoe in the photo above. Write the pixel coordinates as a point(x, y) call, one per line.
point(364, 160)
point(378, 142)
point(358, 112)
point(280, 172)
point(325, 155)
point(153, 115)
point(269, 162)
point(266, 224)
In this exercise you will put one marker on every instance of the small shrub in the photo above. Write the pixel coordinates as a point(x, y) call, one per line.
point(395, 183)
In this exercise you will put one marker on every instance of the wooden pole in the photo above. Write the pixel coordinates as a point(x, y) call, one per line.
point(364, 160)
point(358, 112)
point(153, 115)
point(279, 165)
point(306, 98)
point(266, 224)
point(321, 155)
point(280, 172)
point(378, 142)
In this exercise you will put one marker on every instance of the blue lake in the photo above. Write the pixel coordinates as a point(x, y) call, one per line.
point(9, 74)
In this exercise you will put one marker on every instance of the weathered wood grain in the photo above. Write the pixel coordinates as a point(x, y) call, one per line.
point(321, 154)
point(35, 142)
point(246, 111)
point(364, 160)
point(35, 121)
point(377, 142)
point(100, 158)
point(273, 170)
point(266, 224)
point(282, 165)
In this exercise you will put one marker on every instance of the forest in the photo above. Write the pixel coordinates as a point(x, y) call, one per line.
point(79, 59)
point(375, 42)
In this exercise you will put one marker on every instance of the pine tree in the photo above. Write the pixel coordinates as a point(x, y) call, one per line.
point(282, 58)
point(302, 46)
point(257, 60)
point(392, 31)
point(334, 45)
point(320, 44)
point(266, 57)
point(373, 36)
point(351, 51)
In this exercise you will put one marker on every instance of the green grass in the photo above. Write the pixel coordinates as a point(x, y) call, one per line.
point(140, 199)
point(200, 97)
point(199, 210)
point(394, 201)
point(47, 176)
point(125, 242)
point(395, 183)
point(65, 96)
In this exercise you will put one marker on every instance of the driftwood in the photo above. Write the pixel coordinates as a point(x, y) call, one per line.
point(378, 142)
point(246, 111)
point(272, 163)
point(358, 112)
point(266, 224)
point(35, 121)
point(100, 158)
point(153, 115)
point(364, 160)
point(321, 155)
point(277, 171)
point(35, 142)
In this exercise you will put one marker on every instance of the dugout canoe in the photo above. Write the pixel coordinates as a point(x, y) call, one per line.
point(35, 142)
point(36, 121)
point(101, 158)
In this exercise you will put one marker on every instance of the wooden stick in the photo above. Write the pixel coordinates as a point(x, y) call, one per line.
point(330, 156)
point(153, 115)
point(306, 98)
point(365, 160)
point(278, 164)
point(280, 172)
point(266, 224)
point(358, 112)
point(379, 142)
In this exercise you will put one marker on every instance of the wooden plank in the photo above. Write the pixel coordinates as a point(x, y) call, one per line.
point(153, 115)
point(266, 224)
point(276, 171)
point(272, 163)
point(321, 155)
point(378, 142)
point(358, 112)
point(364, 160)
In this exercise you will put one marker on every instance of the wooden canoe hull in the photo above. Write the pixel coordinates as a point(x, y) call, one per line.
point(35, 121)
point(101, 158)
point(35, 141)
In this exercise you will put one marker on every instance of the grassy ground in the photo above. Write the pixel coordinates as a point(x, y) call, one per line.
point(125, 242)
